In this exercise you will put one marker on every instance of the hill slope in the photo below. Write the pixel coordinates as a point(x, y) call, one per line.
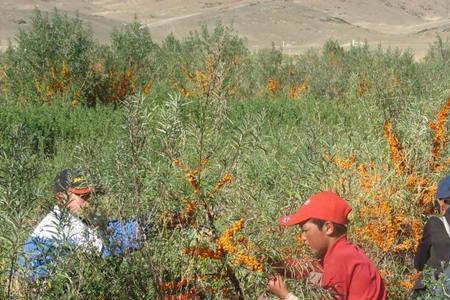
point(296, 24)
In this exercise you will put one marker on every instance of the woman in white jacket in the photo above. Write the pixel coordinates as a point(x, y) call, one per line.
point(63, 229)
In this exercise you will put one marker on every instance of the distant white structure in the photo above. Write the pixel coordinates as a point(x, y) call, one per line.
point(358, 43)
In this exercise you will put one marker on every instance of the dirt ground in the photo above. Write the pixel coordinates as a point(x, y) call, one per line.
point(295, 25)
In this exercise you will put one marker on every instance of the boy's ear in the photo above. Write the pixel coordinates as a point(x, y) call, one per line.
point(328, 227)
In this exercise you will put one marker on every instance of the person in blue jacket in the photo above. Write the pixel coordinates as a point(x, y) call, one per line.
point(64, 229)
point(433, 251)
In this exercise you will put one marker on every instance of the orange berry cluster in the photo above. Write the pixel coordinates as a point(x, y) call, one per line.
point(226, 246)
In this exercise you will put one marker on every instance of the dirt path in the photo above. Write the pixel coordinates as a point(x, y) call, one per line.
point(403, 29)
point(206, 11)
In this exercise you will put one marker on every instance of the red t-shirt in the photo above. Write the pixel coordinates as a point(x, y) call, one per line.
point(351, 274)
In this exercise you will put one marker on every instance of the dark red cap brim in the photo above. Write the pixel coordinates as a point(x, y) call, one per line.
point(81, 191)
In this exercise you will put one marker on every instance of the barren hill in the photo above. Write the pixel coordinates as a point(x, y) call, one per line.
point(295, 25)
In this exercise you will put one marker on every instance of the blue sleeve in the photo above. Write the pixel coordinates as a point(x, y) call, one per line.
point(121, 237)
point(37, 257)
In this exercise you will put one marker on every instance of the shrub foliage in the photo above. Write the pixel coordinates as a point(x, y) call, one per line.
point(211, 143)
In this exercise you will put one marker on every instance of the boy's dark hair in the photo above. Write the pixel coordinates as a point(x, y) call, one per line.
point(339, 229)
point(436, 203)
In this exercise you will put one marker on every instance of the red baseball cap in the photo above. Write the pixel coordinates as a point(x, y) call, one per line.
point(326, 206)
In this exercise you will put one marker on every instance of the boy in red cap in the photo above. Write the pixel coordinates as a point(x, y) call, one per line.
point(346, 270)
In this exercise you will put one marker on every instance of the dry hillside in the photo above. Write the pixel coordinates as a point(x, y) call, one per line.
point(296, 24)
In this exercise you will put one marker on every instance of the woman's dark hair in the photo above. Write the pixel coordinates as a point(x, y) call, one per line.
point(339, 229)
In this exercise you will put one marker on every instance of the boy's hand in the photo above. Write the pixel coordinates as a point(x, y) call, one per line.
point(277, 287)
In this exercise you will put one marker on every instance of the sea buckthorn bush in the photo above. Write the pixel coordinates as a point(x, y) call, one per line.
point(211, 143)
